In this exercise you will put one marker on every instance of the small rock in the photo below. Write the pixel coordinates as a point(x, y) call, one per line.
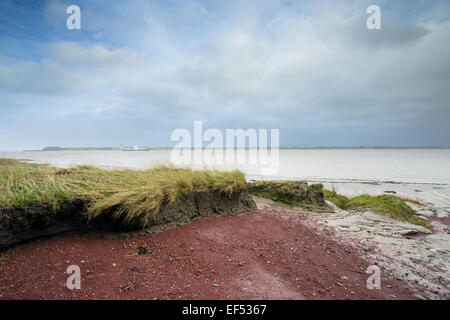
point(215, 285)
point(114, 265)
point(142, 250)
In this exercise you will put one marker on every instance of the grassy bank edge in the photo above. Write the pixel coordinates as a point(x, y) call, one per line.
point(128, 194)
point(284, 192)
point(387, 205)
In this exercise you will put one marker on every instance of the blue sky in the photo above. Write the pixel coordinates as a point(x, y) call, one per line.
point(137, 70)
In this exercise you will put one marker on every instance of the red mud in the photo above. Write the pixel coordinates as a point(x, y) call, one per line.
point(440, 225)
point(260, 255)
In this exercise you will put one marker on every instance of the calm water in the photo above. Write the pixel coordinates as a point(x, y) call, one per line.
point(418, 173)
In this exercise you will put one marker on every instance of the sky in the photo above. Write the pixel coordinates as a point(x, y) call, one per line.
point(137, 70)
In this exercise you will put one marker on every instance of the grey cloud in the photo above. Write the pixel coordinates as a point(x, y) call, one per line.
point(321, 79)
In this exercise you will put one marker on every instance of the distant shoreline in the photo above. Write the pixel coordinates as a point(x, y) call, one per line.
point(169, 148)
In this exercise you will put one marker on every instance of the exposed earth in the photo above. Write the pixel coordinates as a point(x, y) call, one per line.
point(276, 252)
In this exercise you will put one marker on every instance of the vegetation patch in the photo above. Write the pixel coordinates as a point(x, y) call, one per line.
point(388, 205)
point(42, 199)
point(299, 193)
point(292, 193)
point(338, 199)
point(129, 193)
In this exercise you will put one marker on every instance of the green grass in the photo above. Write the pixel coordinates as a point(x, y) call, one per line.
point(292, 193)
point(299, 193)
point(338, 199)
point(130, 193)
point(388, 205)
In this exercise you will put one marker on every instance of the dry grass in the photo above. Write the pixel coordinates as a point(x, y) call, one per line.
point(411, 200)
point(130, 193)
point(4, 257)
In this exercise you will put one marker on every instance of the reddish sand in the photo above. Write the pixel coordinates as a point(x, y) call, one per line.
point(260, 255)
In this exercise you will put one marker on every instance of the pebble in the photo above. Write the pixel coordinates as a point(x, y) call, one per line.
point(215, 285)
point(114, 265)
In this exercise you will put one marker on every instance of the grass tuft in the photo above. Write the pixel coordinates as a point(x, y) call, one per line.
point(338, 199)
point(388, 205)
point(299, 193)
point(127, 194)
point(292, 193)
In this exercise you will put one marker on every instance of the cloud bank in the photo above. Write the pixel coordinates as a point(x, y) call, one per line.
point(139, 70)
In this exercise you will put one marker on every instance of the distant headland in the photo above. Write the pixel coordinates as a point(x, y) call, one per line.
point(121, 147)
